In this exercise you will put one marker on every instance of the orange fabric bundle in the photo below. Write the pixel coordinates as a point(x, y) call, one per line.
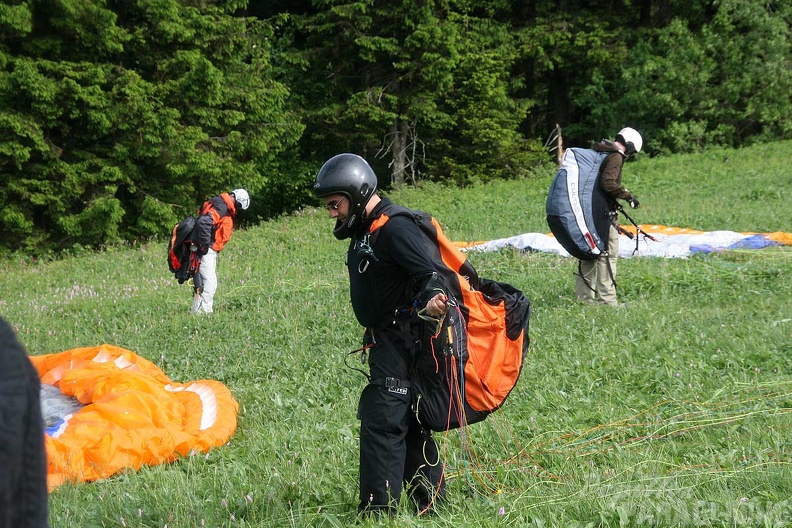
point(134, 415)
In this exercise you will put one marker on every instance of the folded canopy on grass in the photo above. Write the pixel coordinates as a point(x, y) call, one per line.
point(127, 414)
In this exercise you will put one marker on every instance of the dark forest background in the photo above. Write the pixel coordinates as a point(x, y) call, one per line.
point(119, 117)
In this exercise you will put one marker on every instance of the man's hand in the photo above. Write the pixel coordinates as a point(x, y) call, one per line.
point(634, 203)
point(437, 305)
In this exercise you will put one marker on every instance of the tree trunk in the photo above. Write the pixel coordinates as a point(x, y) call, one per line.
point(399, 135)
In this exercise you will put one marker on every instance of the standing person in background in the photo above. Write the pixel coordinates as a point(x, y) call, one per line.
point(212, 230)
point(23, 459)
point(595, 282)
point(392, 282)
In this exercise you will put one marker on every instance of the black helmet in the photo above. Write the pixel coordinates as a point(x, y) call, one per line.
point(351, 176)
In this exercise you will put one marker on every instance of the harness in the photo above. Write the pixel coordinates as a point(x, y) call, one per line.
point(458, 368)
point(406, 327)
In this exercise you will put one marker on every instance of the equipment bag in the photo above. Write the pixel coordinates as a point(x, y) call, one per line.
point(183, 262)
point(576, 207)
point(478, 348)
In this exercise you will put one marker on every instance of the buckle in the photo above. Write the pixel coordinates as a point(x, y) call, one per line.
point(394, 385)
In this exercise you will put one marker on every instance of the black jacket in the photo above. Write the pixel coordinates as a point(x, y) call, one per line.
point(23, 460)
point(392, 268)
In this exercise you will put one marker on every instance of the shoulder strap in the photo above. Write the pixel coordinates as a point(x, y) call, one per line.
point(388, 212)
point(452, 257)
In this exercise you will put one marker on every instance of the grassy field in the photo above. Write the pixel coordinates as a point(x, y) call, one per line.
point(674, 411)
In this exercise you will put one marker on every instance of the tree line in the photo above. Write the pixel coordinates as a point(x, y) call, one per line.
point(119, 117)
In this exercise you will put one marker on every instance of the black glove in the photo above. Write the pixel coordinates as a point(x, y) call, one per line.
point(634, 203)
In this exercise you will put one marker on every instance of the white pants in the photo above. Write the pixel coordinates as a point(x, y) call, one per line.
point(202, 303)
point(596, 281)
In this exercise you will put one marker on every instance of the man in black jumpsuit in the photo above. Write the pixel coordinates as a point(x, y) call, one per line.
point(392, 279)
point(23, 460)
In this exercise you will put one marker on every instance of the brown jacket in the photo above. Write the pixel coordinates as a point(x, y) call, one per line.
point(610, 172)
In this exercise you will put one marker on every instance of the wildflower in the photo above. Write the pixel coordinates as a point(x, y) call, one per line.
point(502, 511)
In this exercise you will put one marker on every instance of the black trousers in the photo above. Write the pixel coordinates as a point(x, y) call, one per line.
point(23, 460)
point(395, 451)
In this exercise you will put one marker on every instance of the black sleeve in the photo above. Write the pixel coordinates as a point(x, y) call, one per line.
point(417, 255)
point(23, 459)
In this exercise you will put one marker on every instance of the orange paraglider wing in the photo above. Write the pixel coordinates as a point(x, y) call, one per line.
point(129, 414)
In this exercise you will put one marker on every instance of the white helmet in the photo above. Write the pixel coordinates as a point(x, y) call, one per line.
point(242, 198)
point(630, 138)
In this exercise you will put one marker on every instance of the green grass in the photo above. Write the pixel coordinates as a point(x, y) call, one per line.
point(672, 412)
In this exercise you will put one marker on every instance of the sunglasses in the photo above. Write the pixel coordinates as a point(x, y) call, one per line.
point(335, 204)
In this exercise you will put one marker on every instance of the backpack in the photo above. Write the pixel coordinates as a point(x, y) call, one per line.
point(576, 207)
point(182, 262)
point(479, 349)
